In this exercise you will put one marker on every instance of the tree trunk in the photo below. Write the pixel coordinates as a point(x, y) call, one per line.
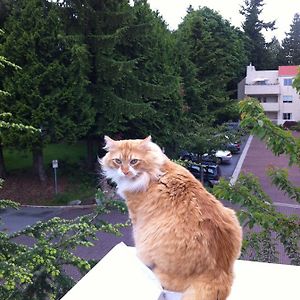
point(2, 164)
point(38, 163)
point(90, 153)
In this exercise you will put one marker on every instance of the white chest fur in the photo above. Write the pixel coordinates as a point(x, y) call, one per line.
point(124, 183)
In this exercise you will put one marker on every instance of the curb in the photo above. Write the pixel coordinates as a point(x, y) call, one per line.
point(57, 206)
point(239, 165)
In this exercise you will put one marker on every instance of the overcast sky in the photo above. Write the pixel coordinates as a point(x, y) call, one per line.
point(280, 10)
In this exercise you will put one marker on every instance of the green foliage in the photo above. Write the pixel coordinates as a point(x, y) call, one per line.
point(34, 30)
point(279, 178)
point(66, 154)
point(257, 211)
point(296, 82)
point(155, 79)
point(265, 227)
point(253, 26)
point(37, 271)
point(212, 56)
point(50, 91)
point(290, 53)
point(277, 140)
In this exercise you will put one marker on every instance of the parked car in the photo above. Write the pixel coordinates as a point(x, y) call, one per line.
point(190, 156)
point(233, 147)
point(211, 172)
point(219, 156)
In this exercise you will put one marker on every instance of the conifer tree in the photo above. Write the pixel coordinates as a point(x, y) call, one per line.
point(253, 26)
point(212, 55)
point(49, 92)
point(274, 49)
point(155, 78)
point(102, 26)
point(290, 54)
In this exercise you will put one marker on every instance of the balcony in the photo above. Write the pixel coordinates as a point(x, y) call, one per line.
point(267, 89)
point(270, 106)
point(120, 275)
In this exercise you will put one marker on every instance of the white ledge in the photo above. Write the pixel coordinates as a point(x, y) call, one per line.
point(120, 275)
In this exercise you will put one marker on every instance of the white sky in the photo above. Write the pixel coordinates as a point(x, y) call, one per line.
point(280, 10)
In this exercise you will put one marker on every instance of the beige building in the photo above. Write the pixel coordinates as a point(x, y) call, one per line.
point(273, 88)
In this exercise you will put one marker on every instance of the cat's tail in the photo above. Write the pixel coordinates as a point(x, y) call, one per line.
point(208, 288)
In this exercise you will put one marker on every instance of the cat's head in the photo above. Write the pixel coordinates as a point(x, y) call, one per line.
point(132, 163)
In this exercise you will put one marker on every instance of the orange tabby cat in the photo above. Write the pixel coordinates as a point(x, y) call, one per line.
point(189, 238)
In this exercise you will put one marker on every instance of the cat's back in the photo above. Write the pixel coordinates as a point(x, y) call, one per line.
point(185, 198)
point(182, 187)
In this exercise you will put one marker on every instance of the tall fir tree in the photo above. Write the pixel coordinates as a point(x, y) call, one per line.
point(49, 92)
point(156, 76)
point(290, 54)
point(103, 26)
point(274, 49)
point(212, 55)
point(253, 27)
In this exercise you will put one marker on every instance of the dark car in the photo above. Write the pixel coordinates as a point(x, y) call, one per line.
point(190, 156)
point(233, 147)
point(207, 172)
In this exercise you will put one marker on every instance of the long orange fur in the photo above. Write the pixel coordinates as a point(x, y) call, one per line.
point(181, 230)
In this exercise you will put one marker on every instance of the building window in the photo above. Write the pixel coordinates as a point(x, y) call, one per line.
point(287, 98)
point(287, 116)
point(288, 81)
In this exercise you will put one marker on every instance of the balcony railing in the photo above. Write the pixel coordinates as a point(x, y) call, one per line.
point(268, 89)
point(270, 106)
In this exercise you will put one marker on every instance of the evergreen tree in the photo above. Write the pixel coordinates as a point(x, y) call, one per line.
point(274, 49)
point(155, 78)
point(212, 55)
point(103, 26)
point(5, 7)
point(253, 26)
point(49, 92)
point(290, 54)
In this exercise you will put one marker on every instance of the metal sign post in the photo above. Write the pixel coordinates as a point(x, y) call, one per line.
point(55, 166)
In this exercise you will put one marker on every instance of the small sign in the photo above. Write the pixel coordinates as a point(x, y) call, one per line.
point(55, 164)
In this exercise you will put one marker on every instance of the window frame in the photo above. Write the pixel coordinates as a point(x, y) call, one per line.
point(288, 81)
point(287, 116)
point(286, 97)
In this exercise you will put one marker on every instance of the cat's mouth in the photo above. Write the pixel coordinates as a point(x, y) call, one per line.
point(133, 176)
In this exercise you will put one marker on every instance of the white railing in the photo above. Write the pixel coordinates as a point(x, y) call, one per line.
point(271, 89)
point(270, 106)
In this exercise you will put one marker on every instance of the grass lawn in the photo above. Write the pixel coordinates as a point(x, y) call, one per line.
point(68, 154)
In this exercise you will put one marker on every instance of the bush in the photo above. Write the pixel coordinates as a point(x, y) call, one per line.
point(37, 271)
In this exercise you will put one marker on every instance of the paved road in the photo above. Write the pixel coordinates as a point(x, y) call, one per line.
point(227, 169)
point(257, 161)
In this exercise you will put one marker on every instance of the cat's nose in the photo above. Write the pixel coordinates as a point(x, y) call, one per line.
point(125, 171)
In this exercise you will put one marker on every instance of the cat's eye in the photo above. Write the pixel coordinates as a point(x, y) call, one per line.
point(134, 161)
point(117, 161)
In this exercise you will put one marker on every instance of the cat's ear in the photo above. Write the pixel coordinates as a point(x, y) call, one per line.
point(145, 142)
point(109, 142)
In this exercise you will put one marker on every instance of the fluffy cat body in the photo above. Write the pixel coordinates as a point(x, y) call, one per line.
point(188, 238)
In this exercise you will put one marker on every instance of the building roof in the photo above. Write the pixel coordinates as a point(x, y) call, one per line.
point(288, 70)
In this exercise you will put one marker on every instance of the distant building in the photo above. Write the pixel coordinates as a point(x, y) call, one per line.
point(273, 88)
